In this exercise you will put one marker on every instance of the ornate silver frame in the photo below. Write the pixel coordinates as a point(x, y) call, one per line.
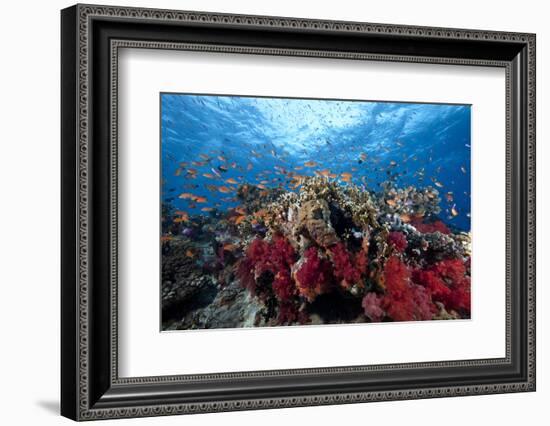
point(91, 388)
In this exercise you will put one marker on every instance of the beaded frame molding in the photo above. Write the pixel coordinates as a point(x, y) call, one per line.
point(91, 39)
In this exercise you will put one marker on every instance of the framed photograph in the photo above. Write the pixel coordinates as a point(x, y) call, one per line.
point(263, 212)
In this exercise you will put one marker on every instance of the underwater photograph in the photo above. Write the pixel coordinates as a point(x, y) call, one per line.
point(298, 211)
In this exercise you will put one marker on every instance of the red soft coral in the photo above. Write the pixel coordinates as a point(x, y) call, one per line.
point(460, 298)
point(283, 286)
point(431, 280)
point(275, 257)
point(428, 228)
point(424, 309)
point(282, 251)
point(396, 277)
point(398, 241)
point(361, 261)
point(448, 283)
point(404, 301)
point(452, 270)
point(346, 274)
point(314, 275)
point(245, 273)
point(372, 305)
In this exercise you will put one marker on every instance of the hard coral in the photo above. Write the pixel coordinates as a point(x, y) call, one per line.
point(314, 222)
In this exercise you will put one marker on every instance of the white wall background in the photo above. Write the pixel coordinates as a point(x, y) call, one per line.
point(29, 217)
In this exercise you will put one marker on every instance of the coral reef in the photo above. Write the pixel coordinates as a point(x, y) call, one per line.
point(325, 253)
point(393, 257)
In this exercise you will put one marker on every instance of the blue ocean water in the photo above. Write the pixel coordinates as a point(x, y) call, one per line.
point(211, 144)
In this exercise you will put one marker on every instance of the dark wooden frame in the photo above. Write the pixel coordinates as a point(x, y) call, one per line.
point(91, 37)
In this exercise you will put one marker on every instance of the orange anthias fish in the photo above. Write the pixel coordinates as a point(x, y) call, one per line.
point(204, 157)
point(260, 213)
point(230, 247)
point(231, 180)
point(239, 219)
point(405, 218)
point(189, 253)
point(207, 209)
point(346, 177)
point(391, 202)
point(222, 158)
point(209, 176)
point(363, 156)
point(187, 196)
point(224, 189)
point(183, 217)
point(310, 164)
point(200, 199)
